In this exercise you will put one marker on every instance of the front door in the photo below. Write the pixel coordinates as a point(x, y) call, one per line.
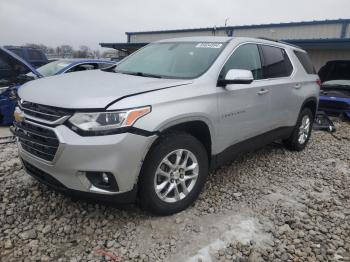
point(244, 108)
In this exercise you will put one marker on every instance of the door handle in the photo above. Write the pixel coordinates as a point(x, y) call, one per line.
point(263, 92)
point(297, 86)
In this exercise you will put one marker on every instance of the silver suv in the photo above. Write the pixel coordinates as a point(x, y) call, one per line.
point(153, 126)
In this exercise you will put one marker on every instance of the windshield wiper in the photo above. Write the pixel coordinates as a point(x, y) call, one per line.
point(140, 74)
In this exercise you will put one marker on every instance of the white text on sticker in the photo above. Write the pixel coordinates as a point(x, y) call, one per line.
point(208, 45)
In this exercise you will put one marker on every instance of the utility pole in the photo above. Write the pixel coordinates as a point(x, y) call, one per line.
point(226, 21)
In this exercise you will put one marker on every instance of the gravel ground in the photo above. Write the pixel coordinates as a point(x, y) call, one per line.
point(271, 205)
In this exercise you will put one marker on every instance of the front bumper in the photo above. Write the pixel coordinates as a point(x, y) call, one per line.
point(120, 154)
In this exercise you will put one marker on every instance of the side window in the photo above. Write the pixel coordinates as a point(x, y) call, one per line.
point(104, 65)
point(276, 62)
point(82, 67)
point(306, 62)
point(244, 57)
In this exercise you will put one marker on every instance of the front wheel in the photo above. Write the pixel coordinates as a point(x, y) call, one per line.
point(302, 131)
point(173, 174)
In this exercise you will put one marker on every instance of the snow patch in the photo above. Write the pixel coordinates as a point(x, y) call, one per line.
point(244, 231)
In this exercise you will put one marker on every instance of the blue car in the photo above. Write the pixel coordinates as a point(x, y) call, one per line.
point(335, 88)
point(14, 71)
point(63, 66)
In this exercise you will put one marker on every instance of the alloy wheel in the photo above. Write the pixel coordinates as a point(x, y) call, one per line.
point(304, 129)
point(176, 175)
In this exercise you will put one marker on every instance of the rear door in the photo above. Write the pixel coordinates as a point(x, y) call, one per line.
point(277, 72)
point(244, 108)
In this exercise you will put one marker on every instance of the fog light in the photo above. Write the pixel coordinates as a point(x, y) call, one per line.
point(103, 180)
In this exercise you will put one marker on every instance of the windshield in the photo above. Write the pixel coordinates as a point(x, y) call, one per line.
point(52, 68)
point(171, 60)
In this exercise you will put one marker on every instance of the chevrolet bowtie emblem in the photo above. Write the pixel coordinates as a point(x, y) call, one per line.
point(19, 115)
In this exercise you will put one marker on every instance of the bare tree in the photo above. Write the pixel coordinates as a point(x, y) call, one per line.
point(83, 52)
point(66, 51)
point(96, 53)
point(42, 47)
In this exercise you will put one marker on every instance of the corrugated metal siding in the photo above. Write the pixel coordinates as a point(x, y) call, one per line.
point(293, 32)
point(288, 32)
point(320, 57)
point(348, 31)
point(145, 38)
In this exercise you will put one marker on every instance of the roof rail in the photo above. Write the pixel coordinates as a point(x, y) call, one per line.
point(279, 41)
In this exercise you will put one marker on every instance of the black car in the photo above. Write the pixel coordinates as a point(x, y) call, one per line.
point(33, 56)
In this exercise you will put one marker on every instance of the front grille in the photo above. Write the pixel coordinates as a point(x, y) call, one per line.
point(48, 113)
point(36, 140)
point(42, 176)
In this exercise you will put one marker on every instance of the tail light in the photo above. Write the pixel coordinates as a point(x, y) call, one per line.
point(319, 83)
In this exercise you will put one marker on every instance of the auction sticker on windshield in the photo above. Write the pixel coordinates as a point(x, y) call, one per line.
point(208, 45)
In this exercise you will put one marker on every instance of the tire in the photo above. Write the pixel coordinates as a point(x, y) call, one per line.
point(156, 171)
point(295, 142)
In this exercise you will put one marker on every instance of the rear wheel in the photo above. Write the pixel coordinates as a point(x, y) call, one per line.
point(173, 174)
point(302, 131)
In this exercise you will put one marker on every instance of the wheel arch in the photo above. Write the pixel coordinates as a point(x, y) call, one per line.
point(197, 127)
point(312, 103)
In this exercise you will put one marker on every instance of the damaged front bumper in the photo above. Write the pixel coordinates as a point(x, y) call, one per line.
point(66, 167)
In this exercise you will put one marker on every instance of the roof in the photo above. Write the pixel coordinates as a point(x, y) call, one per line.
point(83, 60)
point(336, 43)
point(226, 39)
point(221, 39)
point(303, 23)
point(131, 47)
point(22, 47)
point(128, 47)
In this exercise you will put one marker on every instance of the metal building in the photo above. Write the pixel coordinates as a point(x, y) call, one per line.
point(324, 40)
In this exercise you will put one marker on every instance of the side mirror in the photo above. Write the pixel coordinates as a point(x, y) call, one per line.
point(237, 76)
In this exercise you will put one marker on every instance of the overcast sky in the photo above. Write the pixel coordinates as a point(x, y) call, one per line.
point(89, 22)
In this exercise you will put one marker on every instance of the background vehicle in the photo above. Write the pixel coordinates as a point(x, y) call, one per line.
point(34, 56)
point(62, 66)
point(335, 89)
point(153, 125)
point(14, 71)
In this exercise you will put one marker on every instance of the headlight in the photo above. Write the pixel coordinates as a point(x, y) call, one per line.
point(103, 123)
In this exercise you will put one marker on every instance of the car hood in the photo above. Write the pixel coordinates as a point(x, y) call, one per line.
point(92, 89)
point(14, 60)
point(335, 70)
